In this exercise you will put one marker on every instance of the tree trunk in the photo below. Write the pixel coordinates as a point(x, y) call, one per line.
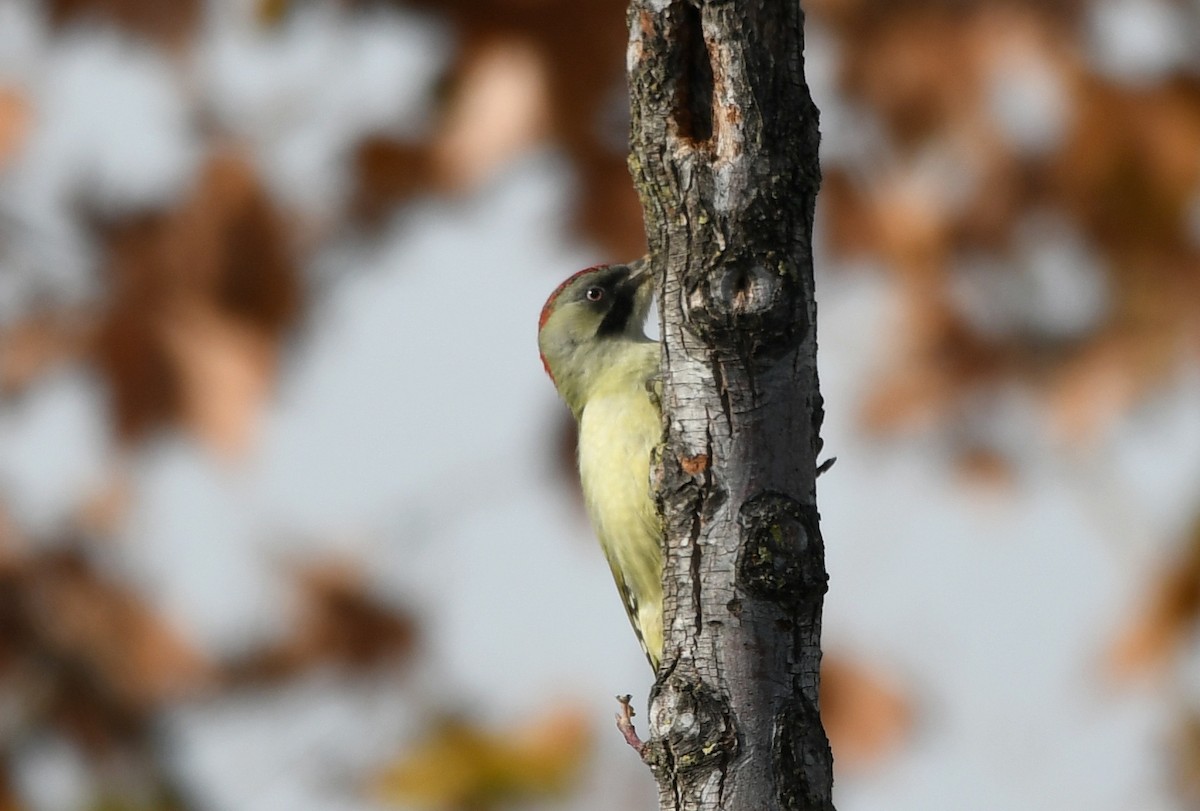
point(725, 159)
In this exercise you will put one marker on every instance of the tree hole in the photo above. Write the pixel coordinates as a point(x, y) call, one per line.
point(694, 85)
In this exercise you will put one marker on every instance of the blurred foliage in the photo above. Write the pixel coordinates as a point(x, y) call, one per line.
point(1121, 169)
point(945, 183)
point(865, 713)
point(1164, 626)
point(169, 24)
point(201, 297)
point(339, 623)
point(459, 767)
point(15, 115)
point(82, 654)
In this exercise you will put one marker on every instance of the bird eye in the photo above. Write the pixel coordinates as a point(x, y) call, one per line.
point(595, 293)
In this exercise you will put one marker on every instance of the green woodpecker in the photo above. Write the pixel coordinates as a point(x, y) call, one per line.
point(595, 350)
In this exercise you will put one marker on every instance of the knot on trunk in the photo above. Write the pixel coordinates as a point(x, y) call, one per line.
point(775, 561)
point(748, 303)
point(803, 760)
point(692, 725)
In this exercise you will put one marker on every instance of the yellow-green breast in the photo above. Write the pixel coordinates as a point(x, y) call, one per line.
point(618, 429)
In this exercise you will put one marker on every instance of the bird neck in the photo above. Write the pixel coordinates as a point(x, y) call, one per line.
point(610, 366)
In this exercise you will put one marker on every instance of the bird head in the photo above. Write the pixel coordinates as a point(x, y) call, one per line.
point(587, 321)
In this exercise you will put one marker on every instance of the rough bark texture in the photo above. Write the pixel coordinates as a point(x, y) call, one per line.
point(725, 159)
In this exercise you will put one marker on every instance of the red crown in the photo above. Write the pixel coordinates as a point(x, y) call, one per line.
point(545, 316)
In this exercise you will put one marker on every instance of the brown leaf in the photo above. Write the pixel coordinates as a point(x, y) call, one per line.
point(1168, 615)
point(609, 210)
point(8, 793)
point(986, 467)
point(169, 23)
point(1107, 376)
point(202, 297)
point(865, 714)
point(1130, 166)
point(388, 173)
point(16, 120)
point(914, 67)
point(102, 513)
point(31, 347)
point(938, 360)
point(850, 220)
point(136, 655)
point(498, 111)
point(226, 373)
point(341, 623)
point(1125, 173)
point(271, 12)
point(82, 653)
point(581, 101)
point(131, 354)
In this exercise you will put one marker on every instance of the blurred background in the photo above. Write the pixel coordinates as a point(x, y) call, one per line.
point(288, 516)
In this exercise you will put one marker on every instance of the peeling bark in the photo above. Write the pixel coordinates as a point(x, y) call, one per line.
point(724, 156)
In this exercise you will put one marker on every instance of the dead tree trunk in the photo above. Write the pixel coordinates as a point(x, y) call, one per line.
point(725, 159)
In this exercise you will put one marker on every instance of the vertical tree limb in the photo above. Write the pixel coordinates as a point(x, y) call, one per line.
point(724, 156)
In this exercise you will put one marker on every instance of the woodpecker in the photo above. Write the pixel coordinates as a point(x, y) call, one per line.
point(594, 348)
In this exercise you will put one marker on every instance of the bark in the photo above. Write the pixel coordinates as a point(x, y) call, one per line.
point(724, 156)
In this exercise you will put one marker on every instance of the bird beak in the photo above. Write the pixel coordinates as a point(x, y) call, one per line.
point(639, 280)
point(641, 273)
